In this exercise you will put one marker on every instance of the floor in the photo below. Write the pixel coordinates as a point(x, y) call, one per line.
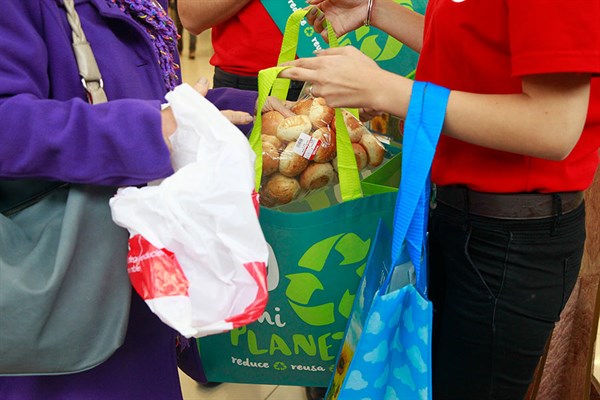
point(192, 70)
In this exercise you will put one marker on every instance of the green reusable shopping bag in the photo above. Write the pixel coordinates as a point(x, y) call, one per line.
point(318, 253)
point(388, 52)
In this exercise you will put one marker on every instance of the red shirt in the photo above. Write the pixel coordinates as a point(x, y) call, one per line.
point(247, 42)
point(485, 46)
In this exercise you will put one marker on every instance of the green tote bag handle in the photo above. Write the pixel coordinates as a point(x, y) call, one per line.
point(269, 83)
point(289, 47)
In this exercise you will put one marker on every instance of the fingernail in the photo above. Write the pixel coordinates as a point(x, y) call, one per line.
point(203, 81)
point(313, 11)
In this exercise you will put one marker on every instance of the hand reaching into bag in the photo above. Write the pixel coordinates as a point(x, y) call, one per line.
point(169, 124)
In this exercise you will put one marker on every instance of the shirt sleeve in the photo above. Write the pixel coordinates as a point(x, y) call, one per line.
point(552, 36)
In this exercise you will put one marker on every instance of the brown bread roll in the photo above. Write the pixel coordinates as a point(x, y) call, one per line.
point(281, 189)
point(291, 127)
point(302, 107)
point(362, 158)
point(355, 128)
point(273, 140)
point(290, 162)
point(316, 175)
point(374, 148)
point(327, 149)
point(320, 113)
point(270, 122)
point(270, 157)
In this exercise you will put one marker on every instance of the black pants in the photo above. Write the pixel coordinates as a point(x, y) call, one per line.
point(225, 79)
point(498, 287)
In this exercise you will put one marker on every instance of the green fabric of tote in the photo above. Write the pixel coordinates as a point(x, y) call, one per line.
point(319, 250)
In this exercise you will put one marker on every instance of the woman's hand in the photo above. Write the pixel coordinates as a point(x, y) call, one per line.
point(274, 104)
point(235, 117)
point(343, 76)
point(343, 15)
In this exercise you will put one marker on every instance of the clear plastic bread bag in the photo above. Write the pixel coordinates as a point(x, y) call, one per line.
point(299, 151)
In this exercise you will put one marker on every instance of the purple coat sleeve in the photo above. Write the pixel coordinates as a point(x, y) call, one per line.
point(49, 131)
point(116, 143)
point(235, 99)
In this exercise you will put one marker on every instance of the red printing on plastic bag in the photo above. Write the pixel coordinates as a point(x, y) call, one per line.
point(258, 271)
point(256, 201)
point(154, 272)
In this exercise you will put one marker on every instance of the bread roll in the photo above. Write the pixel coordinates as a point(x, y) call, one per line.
point(316, 175)
point(326, 151)
point(270, 122)
point(264, 198)
point(273, 140)
point(270, 159)
point(374, 148)
point(302, 107)
point(320, 113)
point(290, 162)
point(362, 158)
point(281, 189)
point(355, 128)
point(379, 123)
point(291, 127)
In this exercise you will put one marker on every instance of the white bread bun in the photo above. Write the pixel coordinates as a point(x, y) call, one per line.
point(281, 189)
point(320, 113)
point(355, 128)
point(273, 140)
point(302, 107)
point(291, 127)
point(316, 175)
point(374, 148)
point(327, 149)
point(270, 122)
point(362, 158)
point(290, 162)
point(270, 159)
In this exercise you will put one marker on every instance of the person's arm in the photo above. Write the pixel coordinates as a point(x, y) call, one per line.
point(545, 120)
point(200, 15)
point(347, 15)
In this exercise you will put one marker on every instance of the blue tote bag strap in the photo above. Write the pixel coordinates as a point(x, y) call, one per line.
point(422, 129)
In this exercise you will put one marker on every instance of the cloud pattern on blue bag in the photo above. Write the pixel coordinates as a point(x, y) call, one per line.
point(393, 357)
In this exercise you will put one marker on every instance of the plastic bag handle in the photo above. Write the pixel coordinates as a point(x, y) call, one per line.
point(350, 187)
point(422, 129)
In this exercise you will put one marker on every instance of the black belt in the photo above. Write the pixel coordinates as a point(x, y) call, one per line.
point(508, 205)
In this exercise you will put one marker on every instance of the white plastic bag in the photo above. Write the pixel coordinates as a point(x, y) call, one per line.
point(197, 254)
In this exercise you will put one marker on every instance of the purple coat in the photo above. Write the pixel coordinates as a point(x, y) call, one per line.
point(48, 130)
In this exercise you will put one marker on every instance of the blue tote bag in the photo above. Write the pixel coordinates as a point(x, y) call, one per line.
point(386, 352)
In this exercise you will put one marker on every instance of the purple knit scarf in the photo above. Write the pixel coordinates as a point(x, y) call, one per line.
point(160, 29)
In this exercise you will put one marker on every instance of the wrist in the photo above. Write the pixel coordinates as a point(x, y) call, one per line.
point(168, 124)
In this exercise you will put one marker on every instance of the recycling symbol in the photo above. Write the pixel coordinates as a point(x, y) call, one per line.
point(279, 366)
point(340, 256)
point(309, 31)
